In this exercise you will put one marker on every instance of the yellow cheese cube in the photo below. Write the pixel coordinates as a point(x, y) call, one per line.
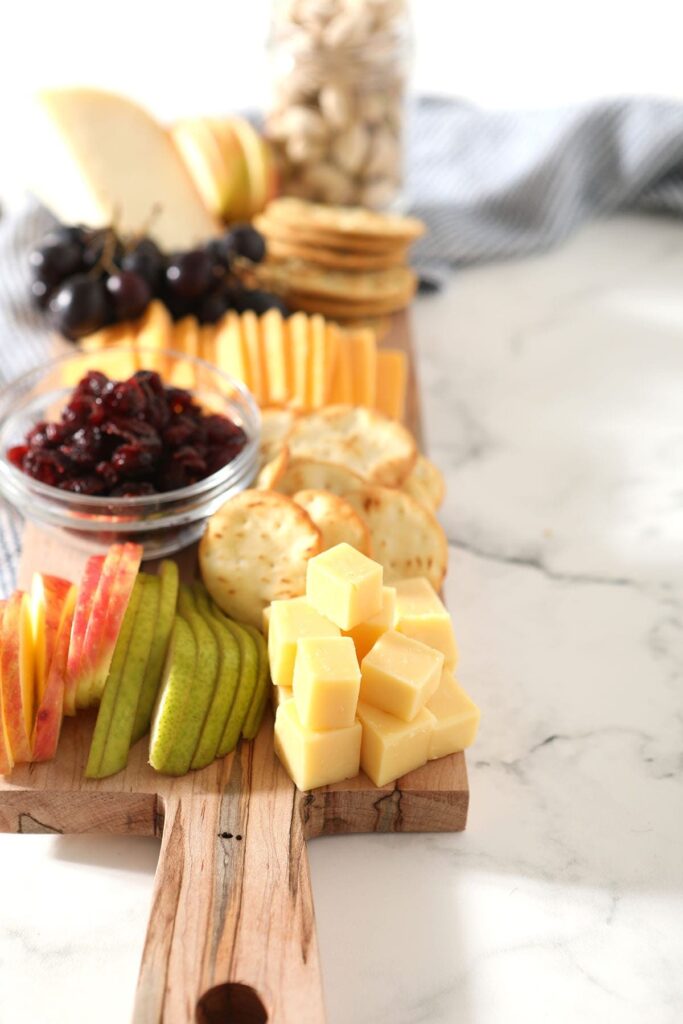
point(326, 682)
point(399, 675)
point(392, 372)
point(280, 695)
point(315, 758)
point(457, 718)
point(344, 585)
point(421, 614)
point(366, 634)
point(391, 747)
point(289, 622)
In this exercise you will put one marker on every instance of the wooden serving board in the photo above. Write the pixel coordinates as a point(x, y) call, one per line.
point(231, 936)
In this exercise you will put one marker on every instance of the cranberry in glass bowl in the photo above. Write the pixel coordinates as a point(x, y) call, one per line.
point(126, 443)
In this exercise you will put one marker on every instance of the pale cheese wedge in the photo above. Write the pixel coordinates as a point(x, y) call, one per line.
point(95, 158)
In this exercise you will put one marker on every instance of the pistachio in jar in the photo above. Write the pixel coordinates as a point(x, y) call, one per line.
point(336, 118)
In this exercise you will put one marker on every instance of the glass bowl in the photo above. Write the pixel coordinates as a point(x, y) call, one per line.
point(162, 523)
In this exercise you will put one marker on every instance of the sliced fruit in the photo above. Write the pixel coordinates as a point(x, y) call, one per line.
point(204, 160)
point(48, 594)
point(107, 613)
point(204, 681)
point(258, 168)
point(226, 684)
point(92, 642)
point(117, 742)
point(261, 690)
point(116, 669)
point(237, 199)
point(48, 723)
point(168, 599)
point(175, 700)
point(16, 661)
point(247, 685)
point(6, 758)
point(84, 603)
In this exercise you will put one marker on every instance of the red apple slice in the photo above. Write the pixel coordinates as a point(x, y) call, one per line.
point(86, 597)
point(48, 594)
point(113, 594)
point(6, 759)
point(16, 665)
point(49, 716)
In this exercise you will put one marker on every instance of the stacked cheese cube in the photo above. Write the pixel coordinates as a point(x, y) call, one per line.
point(363, 675)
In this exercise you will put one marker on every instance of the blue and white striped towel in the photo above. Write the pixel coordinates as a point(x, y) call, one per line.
point(488, 184)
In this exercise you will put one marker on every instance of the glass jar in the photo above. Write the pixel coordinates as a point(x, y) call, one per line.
point(337, 113)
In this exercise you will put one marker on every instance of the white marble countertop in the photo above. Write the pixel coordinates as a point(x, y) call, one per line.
point(554, 401)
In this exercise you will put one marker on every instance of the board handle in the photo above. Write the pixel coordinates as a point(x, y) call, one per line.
point(231, 936)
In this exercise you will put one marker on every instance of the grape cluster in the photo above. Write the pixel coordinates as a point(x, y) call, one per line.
point(88, 278)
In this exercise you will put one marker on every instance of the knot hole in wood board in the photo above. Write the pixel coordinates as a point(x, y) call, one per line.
point(231, 1003)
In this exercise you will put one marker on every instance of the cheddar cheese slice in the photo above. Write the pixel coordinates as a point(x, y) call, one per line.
point(155, 333)
point(230, 348)
point(363, 367)
point(273, 352)
point(252, 346)
point(185, 340)
point(341, 388)
point(300, 343)
point(392, 371)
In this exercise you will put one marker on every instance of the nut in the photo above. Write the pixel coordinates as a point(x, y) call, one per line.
point(335, 105)
point(349, 149)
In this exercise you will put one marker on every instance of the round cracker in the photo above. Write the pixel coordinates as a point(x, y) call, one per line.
point(276, 424)
point(304, 474)
point(255, 551)
point(406, 538)
point(336, 259)
point(425, 482)
point(272, 472)
point(336, 519)
point(298, 234)
point(346, 220)
point(378, 449)
point(336, 310)
point(362, 286)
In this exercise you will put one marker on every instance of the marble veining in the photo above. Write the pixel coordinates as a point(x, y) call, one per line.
point(552, 399)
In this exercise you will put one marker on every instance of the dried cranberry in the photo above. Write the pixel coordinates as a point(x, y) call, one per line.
point(83, 485)
point(17, 454)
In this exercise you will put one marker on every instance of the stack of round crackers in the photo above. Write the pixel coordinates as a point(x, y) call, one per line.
point(347, 263)
point(343, 473)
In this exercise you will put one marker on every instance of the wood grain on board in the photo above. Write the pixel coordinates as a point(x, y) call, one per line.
point(232, 932)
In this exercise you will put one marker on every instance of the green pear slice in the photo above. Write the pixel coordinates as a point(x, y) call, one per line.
point(174, 700)
point(262, 688)
point(108, 701)
point(205, 678)
point(227, 683)
point(249, 665)
point(168, 599)
point(118, 742)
